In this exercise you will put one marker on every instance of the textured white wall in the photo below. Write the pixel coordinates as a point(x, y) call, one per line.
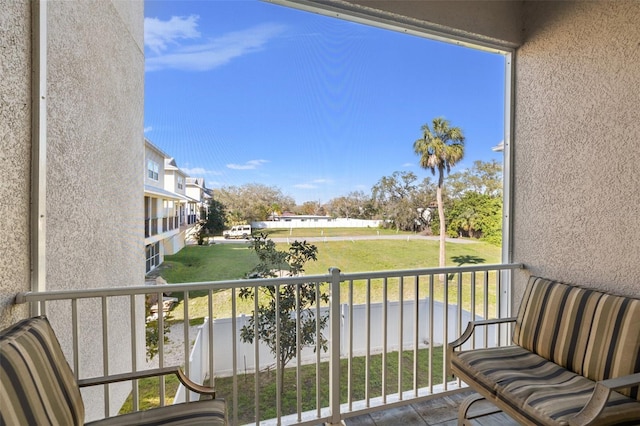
point(15, 156)
point(95, 157)
point(577, 157)
point(95, 152)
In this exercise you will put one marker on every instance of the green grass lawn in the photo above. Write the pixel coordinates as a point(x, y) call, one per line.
point(148, 388)
point(233, 261)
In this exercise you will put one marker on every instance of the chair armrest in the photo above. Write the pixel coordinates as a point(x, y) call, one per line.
point(155, 372)
point(600, 396)
point(471, 327)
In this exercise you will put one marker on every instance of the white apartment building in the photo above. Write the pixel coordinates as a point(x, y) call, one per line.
point(169, 213)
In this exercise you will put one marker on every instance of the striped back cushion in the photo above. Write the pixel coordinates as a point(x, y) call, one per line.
point(614, 349)
point(37, 386)
point(554, 321)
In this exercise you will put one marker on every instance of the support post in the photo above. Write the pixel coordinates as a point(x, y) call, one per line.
point(334, 347)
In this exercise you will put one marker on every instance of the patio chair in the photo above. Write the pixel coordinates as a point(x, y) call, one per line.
point(37, 386)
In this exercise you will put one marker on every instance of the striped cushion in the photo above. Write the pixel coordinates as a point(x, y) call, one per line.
point(614, 350)
point(535, 390)
point(591, 333)
point(554, 321)
point(37, 386)
point(207, 412)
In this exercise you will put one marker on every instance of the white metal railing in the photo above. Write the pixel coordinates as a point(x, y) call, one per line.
point(386, 367)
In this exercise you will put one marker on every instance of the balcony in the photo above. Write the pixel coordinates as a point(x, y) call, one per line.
point(384, 336)
point(150, 227)
point(169, 223)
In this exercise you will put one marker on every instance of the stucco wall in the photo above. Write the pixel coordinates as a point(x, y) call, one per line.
point(95, 151)
point(577, 155)
point(15, 156)
point(95, 155)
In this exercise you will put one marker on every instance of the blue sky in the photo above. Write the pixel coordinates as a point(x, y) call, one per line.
point(244, 91)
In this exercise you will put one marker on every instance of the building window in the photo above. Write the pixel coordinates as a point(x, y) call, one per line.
point(153, 256)
point(180, 182)
point(152, 170)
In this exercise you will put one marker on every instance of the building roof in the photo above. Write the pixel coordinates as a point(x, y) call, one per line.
point(154, 190)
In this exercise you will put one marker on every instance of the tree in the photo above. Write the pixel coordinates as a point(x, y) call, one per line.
point(216, 217)
point(440, 148)
point(355, 204)
point(483, 178)
point(476, 215)
point(284, 301)
point(403, 202)
point(252, 201)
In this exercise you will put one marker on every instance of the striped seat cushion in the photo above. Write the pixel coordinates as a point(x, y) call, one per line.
point(37, 386)
point(536, 390)
point(554, 321)
point(207, 412)
point(614, 349)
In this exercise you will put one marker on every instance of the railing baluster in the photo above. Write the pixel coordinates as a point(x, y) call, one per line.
point(473, 306)
point(134, 351)
point(431, 331)
point(367, 362)
point(400, 333)
point(298, 352)
point(74, 332)
point(459, 321)
point(105, 353)
point(498, 307)
point(234, 334)
point(185, 334)
point(384, 340)
point(459, 305)
point(350, 359)
point(256, 354)
point(161, 382)
point(334, 347)
point(445, 329)
point(278, 357)
point(212, 379)
point(416, 333)
point(318, 351)
point(486, 307)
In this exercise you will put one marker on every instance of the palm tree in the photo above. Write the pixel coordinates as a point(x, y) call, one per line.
point(440, 148)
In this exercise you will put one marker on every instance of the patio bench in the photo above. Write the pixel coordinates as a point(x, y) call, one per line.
point(575, 359)
point(37, 386)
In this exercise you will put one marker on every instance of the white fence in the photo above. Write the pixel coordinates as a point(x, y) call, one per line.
point(223, 335)
point(317, 223)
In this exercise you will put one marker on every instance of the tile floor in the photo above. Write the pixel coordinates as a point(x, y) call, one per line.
point(434, 412)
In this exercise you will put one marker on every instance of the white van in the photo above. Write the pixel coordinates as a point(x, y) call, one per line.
point(238, 231)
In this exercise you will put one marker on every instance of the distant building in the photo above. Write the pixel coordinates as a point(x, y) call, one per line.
point(291, 220)
point(169, 212)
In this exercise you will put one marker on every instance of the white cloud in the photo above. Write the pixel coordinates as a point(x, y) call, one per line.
point(148, 129)
point(249, 165)
point(314, 184)
point(408, 165)
point(304, 186)
point(158, 34)
point(208, 54)
point(199, 171)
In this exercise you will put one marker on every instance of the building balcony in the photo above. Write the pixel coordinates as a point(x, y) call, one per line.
point(372, 347)
point(170, 223)
point(150, 227)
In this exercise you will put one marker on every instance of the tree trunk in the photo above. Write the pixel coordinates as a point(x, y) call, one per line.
point(443, 227)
